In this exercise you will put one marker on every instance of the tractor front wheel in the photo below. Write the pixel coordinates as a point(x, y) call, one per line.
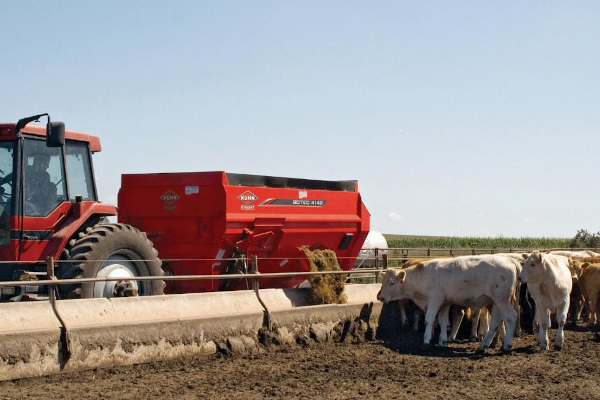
point(111, 251)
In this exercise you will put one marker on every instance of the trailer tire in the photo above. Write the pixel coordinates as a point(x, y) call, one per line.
point(110, 250)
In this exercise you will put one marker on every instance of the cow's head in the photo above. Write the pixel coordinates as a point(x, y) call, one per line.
point(391, 285)
point(577, 268)
point(533, 268)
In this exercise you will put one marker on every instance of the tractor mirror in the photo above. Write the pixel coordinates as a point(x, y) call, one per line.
point(55, 134)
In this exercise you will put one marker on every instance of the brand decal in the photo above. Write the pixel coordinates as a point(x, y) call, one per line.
point(170, 197)
point(247, 198)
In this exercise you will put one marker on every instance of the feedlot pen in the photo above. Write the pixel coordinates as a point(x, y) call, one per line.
point(395, 369)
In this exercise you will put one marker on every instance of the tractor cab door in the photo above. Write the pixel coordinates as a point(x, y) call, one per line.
point(44, 186)
point(44, 197)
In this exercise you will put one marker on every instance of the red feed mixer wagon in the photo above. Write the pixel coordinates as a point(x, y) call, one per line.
point(196, 223)
point(199, 220)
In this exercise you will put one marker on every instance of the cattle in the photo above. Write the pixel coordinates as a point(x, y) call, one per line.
point(418, 313)
point(549, 282)
point(577, 301)
point(575, 254)
point(479, 318)
point(468, 281)
point(589, 282)
point(591, 260)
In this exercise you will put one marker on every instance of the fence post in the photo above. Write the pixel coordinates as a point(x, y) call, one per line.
point(64, 334)
point(376, 265)
point(384, 258)
point(255, 264)
point(255, 285)
point(428, 252)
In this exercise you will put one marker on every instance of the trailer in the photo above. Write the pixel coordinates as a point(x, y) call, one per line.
point(212, 223)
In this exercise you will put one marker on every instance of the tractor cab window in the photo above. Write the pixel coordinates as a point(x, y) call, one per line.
point(44, 187)
point(81, 181)
point(6, 189)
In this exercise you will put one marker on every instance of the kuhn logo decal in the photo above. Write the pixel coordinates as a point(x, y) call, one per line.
point(247, 197)
point(170, 197)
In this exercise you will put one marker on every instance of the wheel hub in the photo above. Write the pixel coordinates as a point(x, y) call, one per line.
point(123, 287)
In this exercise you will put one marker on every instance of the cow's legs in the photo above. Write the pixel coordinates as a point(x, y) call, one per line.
point(499, 335)
point(432, 310)
point(509, 315)
point(443, 316)
point(457, 317)
point(561, 319)
point(517, 306)
point(483, 325)
point(543, 319)
point(403, 318)
point(475, 321)
point(494, 322)
point(593, 312)
point(501, 311)
point(418, 314)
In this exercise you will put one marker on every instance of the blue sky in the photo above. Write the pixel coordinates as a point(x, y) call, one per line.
point(463, 118)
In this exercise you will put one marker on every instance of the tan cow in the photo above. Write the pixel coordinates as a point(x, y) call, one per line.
point(589, 282)
point(549, 280)
point(468, 281)
point(591, 260)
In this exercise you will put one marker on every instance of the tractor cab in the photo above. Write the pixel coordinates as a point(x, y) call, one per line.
point(47, 193)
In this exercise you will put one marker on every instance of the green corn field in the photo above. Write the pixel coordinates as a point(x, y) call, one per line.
point(453, 242)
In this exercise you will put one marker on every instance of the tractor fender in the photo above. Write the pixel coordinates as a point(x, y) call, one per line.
point(81, 215)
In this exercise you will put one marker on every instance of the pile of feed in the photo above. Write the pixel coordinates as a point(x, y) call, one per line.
point(325, 289)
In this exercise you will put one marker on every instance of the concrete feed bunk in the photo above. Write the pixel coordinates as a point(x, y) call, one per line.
point(122, 331)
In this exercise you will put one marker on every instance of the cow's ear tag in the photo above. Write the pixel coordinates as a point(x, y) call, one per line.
point(584, 270)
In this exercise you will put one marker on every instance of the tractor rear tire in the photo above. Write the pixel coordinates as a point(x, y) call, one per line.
point(110, 250)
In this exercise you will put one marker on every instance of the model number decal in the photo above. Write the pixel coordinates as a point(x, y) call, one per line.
point(294, 202)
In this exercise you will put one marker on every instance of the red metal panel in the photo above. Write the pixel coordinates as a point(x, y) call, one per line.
point(196, 220)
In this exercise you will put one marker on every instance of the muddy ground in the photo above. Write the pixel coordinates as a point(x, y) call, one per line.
point(398, 368)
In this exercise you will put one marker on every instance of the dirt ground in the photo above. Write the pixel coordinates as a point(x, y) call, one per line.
point(396, 369)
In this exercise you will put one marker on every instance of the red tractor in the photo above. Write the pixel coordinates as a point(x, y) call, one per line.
point(50, 207)
point(202, 223)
